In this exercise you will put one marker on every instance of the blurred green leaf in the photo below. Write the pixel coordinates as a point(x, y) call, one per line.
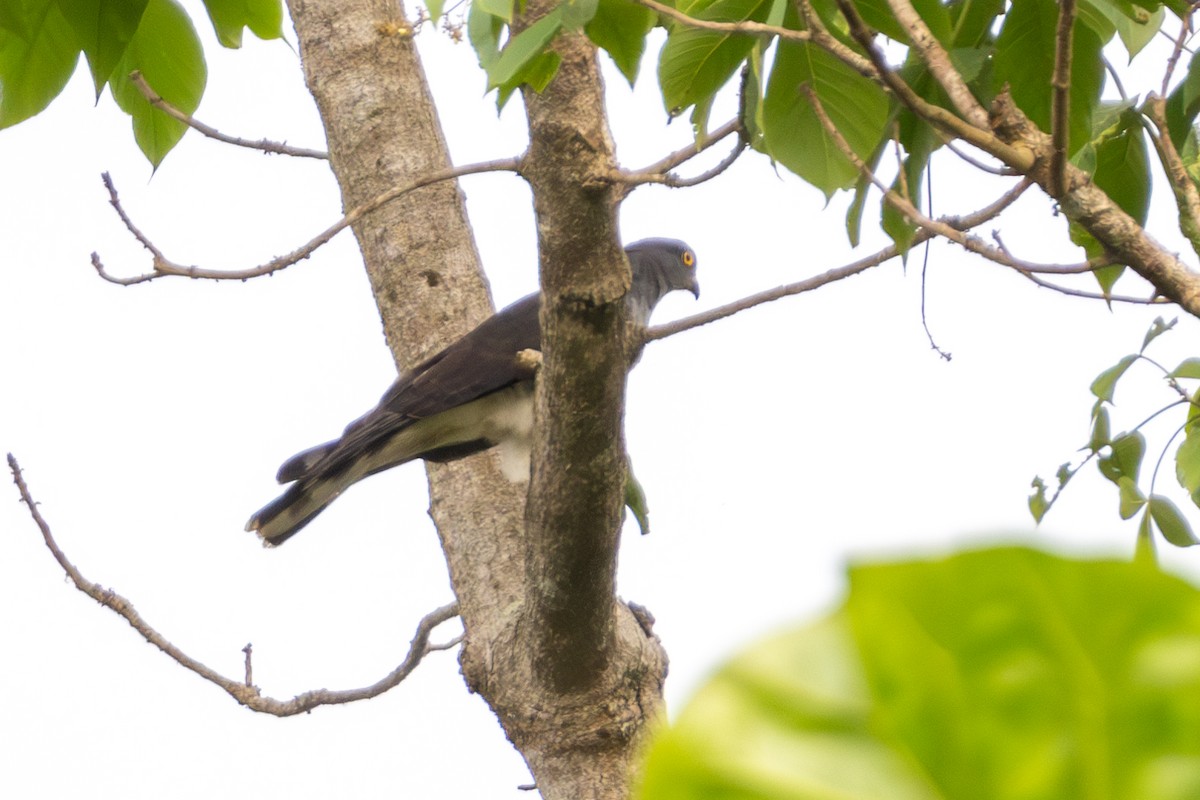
point(35, 65)
point(1100, 430)
point(1188, 368)
point(1171, 522)
point(1000, 674)
point(577, 13)
point(973, 20)
point(522, 49)
point(1038, 504)
point(229, 18)
point(1106, 382)
point(497, 8)
point(1157, 328)
point(1126, 457)
point(1131, 497)
point(103, 28)
point(166, 50)
point(1187, 463)
point(620, 28)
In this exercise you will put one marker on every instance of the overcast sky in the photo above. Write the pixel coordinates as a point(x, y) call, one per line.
point(774, 447)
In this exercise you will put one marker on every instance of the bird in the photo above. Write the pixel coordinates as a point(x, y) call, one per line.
point(475, 394)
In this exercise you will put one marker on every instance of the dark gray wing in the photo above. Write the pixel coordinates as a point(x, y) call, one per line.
point(481, 362)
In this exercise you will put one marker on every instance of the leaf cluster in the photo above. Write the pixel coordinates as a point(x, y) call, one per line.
point(41, 40)
point(1119, 457)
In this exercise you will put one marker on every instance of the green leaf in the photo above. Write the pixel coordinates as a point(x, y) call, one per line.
point(1171, 522)
point(1157, 328)
point(1131, 497)
point(1038, 503)
point(35, 66)
point(973, 21)
point(483, 31)
point(264, 18)
point(1106, 382)
point(577, 13)
point(795, 136)
point(1188, 368)
point(894, 223)
point(523, 49)
point(1025, 60)
point(166, 50)
point(1100, 430)
point(1125, 460)
point(103, 28)
point(537, 74)
point(620, 28)
point(1123, 168)
point(695, 63)
point(862, 187)
point(435, 7)
point(1183, 104)
point(998, 674)
point(497, 8)
point(1187, 462)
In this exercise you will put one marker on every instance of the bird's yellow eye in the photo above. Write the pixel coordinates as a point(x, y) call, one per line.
point(688, 258)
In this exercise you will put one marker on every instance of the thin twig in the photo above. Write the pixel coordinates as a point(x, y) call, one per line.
point(242, 691)
point(1185, 31)
point(748, 27)
point(660, 171)
point(1021, 265)
point(1108, 298)
point(265, 145)
point(945, 354)
point(164, 267)
point(1060, 106)
point(988, 212)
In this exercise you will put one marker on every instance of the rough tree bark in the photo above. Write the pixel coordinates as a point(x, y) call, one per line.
point(570, 673)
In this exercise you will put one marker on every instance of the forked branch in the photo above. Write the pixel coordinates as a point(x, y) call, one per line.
point(265, 145)
point(244, 692)
point(164, 267)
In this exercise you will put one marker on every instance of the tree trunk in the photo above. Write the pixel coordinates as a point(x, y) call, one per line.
point(568, 670)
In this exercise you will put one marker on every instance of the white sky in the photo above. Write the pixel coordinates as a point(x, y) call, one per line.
point(774, 447)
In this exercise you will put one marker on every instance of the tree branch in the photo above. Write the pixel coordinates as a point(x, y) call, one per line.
point(660, 171)
point(164, 267)
point(989, 212)
point(244, 692)
point(1060, 108)
point(265, 145)
point(1187, 199)
point(938, 61)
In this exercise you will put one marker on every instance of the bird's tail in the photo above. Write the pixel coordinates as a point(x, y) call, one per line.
point(284, 516)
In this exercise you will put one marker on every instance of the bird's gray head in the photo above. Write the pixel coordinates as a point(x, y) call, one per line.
point(659, 266)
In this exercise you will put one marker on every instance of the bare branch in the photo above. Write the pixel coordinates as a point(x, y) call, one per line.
point(265, 145)
point(660, 171)
point(244, 692)
point(164, 267)
point(1111, 298)
point(981, 216)
point(938, 61)
point(1060, 108)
